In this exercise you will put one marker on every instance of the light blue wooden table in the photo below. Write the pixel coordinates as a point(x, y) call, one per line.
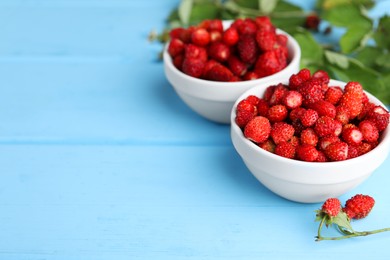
point(100, 159)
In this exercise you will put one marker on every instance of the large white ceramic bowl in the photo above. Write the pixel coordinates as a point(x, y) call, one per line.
point(306, 182)
point(214, 100)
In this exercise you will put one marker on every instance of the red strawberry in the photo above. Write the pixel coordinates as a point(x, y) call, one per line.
point(230, 37)
point(215, 36)
point(298, 79)
point(277, 113)
point(175, 47)
point(197, 52)
point(359, 206)
point(292, 99)
point(262, 107)
point(248, 26)
point(309, 117)
point(337, 151)
point(327, 140)
point(281, 132)
point(322, 76)
point(342, 114)
point(250, 75)
point(306, 152)
point(268, 145)
point(308, 136)
point(200, 37)
point(268, 63)
point(296, 114)
point(311, 91)
point(369, 131)
point(333, 95)
point(327, 126)
point(178, 61)
point(219, 51)
point(254, 100)
point(352, 136)
point(331, 207)
point(247, 48)
point(264, 23)
point(193, 67)
point(238, 67)
point(218, 72)
point(324, 108)
point(321, 157)
point(278, 93)
point(215, 25)
point(285, 149)
point(352, 102)
point(281, 39)
point(266, 40)
point(379, 116)
point(258, 129)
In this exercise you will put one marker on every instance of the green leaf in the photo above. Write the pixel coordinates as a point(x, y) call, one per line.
point(355, 37)
point(328, 4)
point(346, 16)
point(383, 92)
point(203, 10)
point(342, 220)
point(252, 4)
point(312, 52)
point(368, 55)
point(337, 59)
point(184, 11)
point(383, 62)
point(382, 34)
point(283, 6)
point(267, 6)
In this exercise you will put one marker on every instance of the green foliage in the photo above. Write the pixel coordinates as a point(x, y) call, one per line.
point(361, 54)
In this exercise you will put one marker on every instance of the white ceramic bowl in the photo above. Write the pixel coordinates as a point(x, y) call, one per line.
point(214, 100)
point(306, 182)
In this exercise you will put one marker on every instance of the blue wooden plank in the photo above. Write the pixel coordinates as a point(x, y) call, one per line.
point(129, 202)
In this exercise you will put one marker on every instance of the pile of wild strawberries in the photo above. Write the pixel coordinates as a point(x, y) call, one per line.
point(310, 120)
point(249, 49)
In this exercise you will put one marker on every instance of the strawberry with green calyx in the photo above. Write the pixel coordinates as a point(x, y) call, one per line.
point(357, 207)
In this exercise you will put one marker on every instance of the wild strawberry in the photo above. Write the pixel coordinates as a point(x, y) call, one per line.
point(308, 136)
point(230, 37)
point(353, 102)
point(337, 151)
point(254, 100)
point(268, 92)
point(354, 87)
point(321, 157)
point(359, 206)
point(331, 207)
point(292, 99)
point(296, 114)
point(215, 36)
point(215, 25)
point(367, 106)
point(306, 152)
point(322, 76)
point(327, 140)
point(281, 132)
point(247, 48)
point(219, 51)
point(281, 39)
point(268, 63)
point(196, 52)
point(298, 126)
point(285, 149)
point(333, 95)
point(268, 145)
point(218, 73)
point(298, 79)
point(309, 117)
point(365, 147)
point(176, 32)
point(342, 114)
point(248, 26)
point(277, 113)
point(353, 151)
point(175, 47)
point(369, 131)
point(258, 129)
point(266, 40)
point(250, 75)
point(324, 108)
point(294, 140)
point(264, 23)
point(277, 95)
point(178, 61)
point(379, 116)
point(327, 126)
point(245, 111)
point(193, 67)
point(238, 67)
point(312, 22)
point(262, 107)
point(200, 37)
point(352, 136)
point(311, 91)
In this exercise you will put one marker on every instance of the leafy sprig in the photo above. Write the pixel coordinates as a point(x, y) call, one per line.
point(360, 53)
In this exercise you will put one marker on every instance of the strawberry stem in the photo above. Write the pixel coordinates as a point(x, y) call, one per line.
point(347, 233)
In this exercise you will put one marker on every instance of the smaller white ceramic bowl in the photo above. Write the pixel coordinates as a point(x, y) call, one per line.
point(214, 100)
point(306, 182)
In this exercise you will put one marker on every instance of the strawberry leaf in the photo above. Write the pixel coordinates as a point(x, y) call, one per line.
point(382, 34)
point(267, 6)
point(337, 59)
point(355, 37)
point(342, 220)
point(184, 11)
